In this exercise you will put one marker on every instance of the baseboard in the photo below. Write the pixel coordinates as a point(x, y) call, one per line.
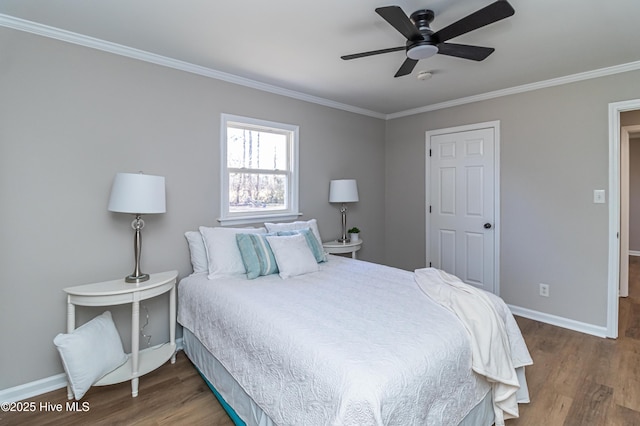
point(48, 384)
point(634, 253)
point(35, 388)
point(570, 324)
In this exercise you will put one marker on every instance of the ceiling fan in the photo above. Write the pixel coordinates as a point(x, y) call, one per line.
point(423, 43)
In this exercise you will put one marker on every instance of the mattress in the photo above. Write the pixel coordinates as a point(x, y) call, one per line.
point(353, 344)
point(245, 412)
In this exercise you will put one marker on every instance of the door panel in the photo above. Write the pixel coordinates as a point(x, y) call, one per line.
point(474, 190)
point(447, 252)
point(462, 202)
point(474, 256)
point(447, 204)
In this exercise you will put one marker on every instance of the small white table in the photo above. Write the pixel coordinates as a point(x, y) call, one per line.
point(118, 292)
point(336, 247)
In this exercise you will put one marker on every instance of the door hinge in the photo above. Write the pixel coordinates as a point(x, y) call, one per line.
point(429, 152)
point(429, 264)
point(429, 209)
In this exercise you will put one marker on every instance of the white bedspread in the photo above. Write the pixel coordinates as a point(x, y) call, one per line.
point(497, 344)
point(354, 344)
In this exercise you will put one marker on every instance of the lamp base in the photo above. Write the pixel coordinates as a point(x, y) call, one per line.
point(137, 276)
point(136, 279)
point(344, 240)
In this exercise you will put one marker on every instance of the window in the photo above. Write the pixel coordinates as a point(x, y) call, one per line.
point(259, 170)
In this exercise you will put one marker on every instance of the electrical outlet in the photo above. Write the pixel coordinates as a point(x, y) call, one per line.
point(544, 290)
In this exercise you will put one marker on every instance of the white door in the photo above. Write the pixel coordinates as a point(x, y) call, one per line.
point(461, 232)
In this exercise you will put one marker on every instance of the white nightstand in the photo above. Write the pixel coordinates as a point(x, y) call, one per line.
point(118, 292)
point(336, 247)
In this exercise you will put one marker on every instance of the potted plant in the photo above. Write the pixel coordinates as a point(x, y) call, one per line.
point(354, 234)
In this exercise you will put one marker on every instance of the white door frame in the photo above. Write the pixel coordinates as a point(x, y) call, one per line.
point(495, 125)
point(623, 278)
point(613, 283)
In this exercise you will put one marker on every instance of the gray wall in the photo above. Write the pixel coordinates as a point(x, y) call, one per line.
point(632, 118)
point(72, 117)
point(554, 153)
point(634, 194)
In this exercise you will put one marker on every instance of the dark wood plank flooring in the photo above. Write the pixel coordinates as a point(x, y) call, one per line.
point(174, 394)
point(576, 380)
point(584, 380)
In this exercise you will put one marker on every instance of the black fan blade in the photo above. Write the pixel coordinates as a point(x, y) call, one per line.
point(465, 51)
point(400, 21)
point(407, 67)
point(373, 52)
point(494, 12)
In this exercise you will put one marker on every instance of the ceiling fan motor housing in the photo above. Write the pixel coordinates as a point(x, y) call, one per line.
point(425, 46)
point(422, 18)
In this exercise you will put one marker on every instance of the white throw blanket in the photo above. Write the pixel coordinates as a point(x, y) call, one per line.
point(497, 344)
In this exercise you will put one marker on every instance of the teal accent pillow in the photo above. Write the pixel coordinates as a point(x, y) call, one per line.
point(257, 255)
point(312, 242)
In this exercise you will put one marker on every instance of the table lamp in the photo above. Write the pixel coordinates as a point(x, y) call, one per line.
point(137, 194)
point(343, 191)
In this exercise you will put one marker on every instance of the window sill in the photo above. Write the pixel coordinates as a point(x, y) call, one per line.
point(229, 221)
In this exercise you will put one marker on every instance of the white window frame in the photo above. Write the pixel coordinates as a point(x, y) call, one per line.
point(236, 218)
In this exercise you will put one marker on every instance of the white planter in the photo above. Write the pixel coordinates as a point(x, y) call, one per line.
point(354, 237)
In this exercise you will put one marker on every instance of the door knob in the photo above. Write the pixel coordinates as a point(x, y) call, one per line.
point(487, 225)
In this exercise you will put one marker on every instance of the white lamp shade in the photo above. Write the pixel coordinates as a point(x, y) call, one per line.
point(138, 194)
point(343, 191)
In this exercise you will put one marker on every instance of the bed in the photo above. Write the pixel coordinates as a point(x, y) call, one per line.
point(351, 343)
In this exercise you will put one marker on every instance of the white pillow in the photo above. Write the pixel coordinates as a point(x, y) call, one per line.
point(293, 255)
point(198, 253)
point(296, 226)
point(222, 250)
point(89, 352)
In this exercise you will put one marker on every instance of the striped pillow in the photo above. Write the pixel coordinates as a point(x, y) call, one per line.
point(312, 242)
point(256, 255)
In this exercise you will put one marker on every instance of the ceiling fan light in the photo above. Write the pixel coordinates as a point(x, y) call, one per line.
point(422, 51)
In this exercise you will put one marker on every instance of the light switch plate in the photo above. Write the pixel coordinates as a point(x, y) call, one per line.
point(599, 196)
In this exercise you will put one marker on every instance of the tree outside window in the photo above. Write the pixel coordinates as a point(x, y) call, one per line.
point(259, 169)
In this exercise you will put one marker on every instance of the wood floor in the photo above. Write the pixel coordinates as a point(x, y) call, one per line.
point(579, 379)
point(576, 379)
point(174, 394)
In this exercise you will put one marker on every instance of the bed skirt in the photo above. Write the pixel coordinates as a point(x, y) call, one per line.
point(244, 411)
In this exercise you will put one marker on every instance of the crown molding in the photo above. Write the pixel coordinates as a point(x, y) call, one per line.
point(118, 49)
point(130, 52)
point(587, 75)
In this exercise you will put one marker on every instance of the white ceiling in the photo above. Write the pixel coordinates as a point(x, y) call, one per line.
point(297, 45)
